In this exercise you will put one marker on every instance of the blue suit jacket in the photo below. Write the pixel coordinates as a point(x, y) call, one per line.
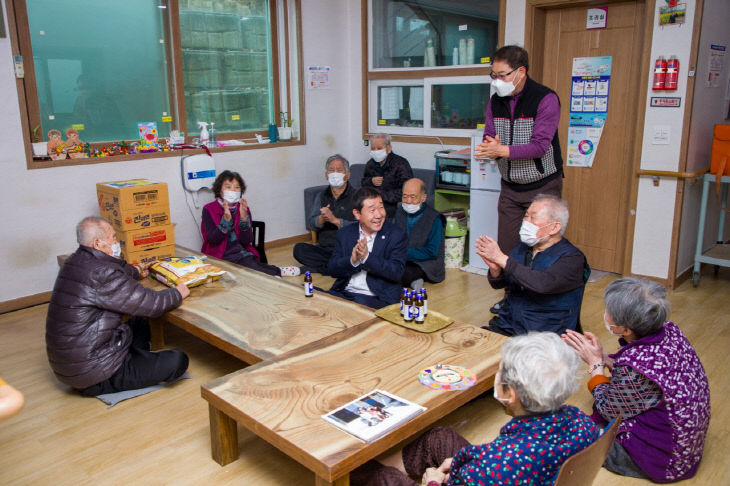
point(385, 263)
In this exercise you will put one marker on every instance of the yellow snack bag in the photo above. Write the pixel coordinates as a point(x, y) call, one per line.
point(190, 270)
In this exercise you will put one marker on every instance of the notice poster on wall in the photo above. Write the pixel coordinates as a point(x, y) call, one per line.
point(715, 65)
point(318, 77)
point(589, 89)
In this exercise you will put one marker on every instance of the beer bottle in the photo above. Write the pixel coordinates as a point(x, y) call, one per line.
point(408, 308)
point(419, 315)
point(308, 286)
point(402, 299)
point(425, 301)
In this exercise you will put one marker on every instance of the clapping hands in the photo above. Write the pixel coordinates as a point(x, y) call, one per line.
point(489, 251)
point(359, 252)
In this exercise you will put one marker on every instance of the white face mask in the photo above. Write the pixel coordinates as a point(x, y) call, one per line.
point(608, 327)
point(498, 382)
point(336, 179)
point(231, 197)
point(504, 88)
point(528, 233)
point(116, 250)
point(411, 208)
point(378, 155)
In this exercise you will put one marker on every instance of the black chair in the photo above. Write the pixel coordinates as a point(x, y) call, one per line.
point(259, 238)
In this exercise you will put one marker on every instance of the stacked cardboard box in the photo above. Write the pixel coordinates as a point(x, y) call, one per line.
point(139, 211)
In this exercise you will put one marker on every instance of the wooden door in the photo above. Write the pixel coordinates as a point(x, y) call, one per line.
point(599, 196)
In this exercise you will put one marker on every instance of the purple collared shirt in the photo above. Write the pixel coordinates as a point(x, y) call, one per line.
point(546, 125)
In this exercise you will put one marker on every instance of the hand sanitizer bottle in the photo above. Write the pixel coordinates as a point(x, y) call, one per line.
point(204, 137)
point(213, 141)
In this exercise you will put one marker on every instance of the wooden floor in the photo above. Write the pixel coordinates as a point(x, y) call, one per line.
point(162, 438)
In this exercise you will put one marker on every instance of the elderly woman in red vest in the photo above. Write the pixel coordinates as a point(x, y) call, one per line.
point(226, 227)
point(657, 385)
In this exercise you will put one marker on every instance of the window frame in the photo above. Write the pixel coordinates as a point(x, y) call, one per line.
point(427, 84)
point(286, 44)
point(409, 74)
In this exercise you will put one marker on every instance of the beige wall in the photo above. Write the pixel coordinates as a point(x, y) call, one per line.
point(41, 207)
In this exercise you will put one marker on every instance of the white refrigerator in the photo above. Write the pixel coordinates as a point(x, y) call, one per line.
point(484, 196)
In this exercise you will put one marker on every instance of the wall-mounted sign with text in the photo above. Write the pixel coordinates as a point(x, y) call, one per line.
point(596, 18)
point(591, 78)
point(666, 101)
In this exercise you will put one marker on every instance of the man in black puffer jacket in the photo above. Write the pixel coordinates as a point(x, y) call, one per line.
point(89, 347)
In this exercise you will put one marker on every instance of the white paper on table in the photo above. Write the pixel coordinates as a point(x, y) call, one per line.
point(415, 103)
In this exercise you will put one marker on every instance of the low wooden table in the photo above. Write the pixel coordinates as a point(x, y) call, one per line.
point(254, 316)
point(282, 399)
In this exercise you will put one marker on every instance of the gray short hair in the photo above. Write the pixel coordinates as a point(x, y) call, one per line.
point(637, 304)
point(541, 368)
point(337, 157)
point(557, 209)
point(91, 228)
point(385, 136)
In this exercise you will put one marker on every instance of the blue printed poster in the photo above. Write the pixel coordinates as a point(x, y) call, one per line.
point(589, 89)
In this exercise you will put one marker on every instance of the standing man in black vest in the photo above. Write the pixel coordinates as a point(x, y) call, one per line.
point(521, 134)
point(425, 229)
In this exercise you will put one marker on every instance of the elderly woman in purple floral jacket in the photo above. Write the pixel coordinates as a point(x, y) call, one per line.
point(658, 385)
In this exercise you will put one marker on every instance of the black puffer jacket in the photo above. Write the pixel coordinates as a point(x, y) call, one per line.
point(86, 340)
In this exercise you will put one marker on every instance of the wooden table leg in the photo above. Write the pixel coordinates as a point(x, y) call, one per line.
point(343, 481)
point(223, 436)
point(157, 333)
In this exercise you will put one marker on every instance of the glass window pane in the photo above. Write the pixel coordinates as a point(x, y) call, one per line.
point(95, 72)
point(433, 33)
point(227, 68)
point(400, 106)
point(458, 105)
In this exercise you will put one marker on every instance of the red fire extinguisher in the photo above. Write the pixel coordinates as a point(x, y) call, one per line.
point(672, 77)
point(660, 73)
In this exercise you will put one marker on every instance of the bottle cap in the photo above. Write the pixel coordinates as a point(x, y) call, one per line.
point(307, 274)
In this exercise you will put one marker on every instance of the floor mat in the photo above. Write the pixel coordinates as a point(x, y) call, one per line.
point(112, 399)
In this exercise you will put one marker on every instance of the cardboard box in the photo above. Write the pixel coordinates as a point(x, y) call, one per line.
point(146, 238)
point(149, 255)
point(138, 219)
point(131, 195)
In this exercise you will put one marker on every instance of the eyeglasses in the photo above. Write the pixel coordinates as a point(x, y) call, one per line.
point(502, 76)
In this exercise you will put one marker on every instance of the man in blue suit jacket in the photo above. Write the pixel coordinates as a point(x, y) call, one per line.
point(369, 257)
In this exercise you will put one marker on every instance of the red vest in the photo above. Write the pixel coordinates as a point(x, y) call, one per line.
point(245, 239)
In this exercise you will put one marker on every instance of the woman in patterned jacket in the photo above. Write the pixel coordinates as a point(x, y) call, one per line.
point(536, 375)
point(658, 385)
